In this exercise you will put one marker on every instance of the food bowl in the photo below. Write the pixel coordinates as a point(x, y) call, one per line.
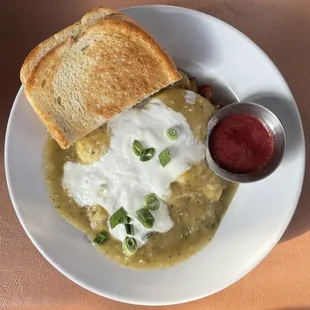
point(273, 124)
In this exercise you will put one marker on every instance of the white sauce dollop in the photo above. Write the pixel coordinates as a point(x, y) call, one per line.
point(120, 179)
point(190, 97)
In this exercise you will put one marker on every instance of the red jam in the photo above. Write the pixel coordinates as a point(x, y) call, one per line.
point(241, 143)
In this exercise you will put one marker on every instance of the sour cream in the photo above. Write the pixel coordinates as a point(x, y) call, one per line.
point(120, 179)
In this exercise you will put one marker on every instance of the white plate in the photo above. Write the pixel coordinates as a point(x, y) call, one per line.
point(210, 50)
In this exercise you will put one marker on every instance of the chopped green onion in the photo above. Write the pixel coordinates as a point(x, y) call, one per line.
point(172, 134)
point(117, 217)
point(100, 238)
point(147, 154)
point(126, 220)
point(164, 157)
point(144, 154)
point(137, 147)
point(129, 229)
point(145, 217)
point(130, 246)
point(151, 201)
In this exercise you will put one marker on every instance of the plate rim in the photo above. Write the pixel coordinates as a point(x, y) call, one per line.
point(181, 300)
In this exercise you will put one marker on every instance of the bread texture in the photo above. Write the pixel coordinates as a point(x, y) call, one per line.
point(91, 71)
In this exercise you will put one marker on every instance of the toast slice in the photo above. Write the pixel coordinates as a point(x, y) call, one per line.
point(91, 71)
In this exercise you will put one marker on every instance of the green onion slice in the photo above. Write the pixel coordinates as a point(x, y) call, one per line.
point(130, 246)
point(100, 238)
point(129, 229)
point(147, 154)
point(172, 134)
point(117, 217)
point(126, 220)
point(151, 201)
point(164, 157)
point(145, 217)
point(137, 147)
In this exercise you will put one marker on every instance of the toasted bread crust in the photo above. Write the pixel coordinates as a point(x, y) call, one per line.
point(75, 83)
point(45, 115)
point(53, 130)
point(73, 30)
point(45, 47)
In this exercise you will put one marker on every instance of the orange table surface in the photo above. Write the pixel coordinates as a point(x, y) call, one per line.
point(282, 281)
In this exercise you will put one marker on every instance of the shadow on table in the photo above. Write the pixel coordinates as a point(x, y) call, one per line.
point(284, 110)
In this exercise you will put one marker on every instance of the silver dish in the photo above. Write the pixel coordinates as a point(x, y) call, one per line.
point(275, 127)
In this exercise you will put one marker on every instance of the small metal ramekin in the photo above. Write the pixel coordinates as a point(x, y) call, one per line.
point(273, 124)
